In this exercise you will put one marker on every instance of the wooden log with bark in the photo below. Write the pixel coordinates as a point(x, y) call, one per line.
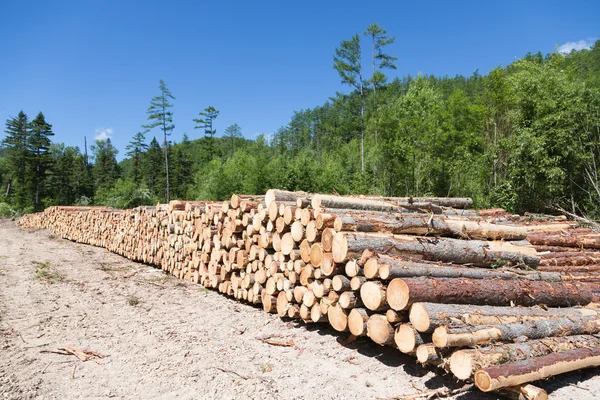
point(463, 336)
point(507, 375)
point(464, 363)
point(425, 317)
point(401, 293)
point(476, 252)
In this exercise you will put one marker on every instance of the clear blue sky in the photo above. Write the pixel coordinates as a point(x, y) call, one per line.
point(92, 66)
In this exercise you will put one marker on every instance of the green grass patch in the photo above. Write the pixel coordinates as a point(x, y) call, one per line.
point(44, 271)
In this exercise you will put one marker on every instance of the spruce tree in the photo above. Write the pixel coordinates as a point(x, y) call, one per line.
point(39, 147)
point(17, 152)
point(153, 168)
point(136, 149)
point(106, 169)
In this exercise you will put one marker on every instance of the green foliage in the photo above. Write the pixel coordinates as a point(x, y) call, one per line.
point(44, 271)
point(106, 170)
point(125, 194)
point(161, 116)
point(524, 137)
point(205, 122)
point(6, 211)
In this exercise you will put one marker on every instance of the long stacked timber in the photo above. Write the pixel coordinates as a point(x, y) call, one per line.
point(476, 293)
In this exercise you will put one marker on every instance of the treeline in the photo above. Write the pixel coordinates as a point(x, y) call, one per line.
point(525, 137)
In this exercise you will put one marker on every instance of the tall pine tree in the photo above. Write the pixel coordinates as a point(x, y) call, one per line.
point(160, 116)
point(206, 122)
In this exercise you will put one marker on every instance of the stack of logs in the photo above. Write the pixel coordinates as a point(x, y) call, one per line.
point(491, 297)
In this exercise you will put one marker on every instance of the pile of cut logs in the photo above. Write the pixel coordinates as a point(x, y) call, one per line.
point(498, 299)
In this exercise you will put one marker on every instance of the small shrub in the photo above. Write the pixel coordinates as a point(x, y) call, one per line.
point(7, 212)
point(44, 271)
point(133, 300)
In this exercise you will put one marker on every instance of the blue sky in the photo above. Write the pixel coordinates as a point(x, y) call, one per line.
point(93, 66)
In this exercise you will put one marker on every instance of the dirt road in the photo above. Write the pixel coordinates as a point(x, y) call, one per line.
point(163, 338)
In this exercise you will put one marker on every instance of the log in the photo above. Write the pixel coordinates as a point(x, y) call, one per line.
point(388, 268)
point(283, 195)
point(524, 392)
point(462, 336)
point(407, 338)
point(425, 317)
point(338, 318)
point(581, 241)
point(506, 375)
point(429, 354)
point(464, 363)
point(357, 321)
point(373, 296)
point(326, 201)
point(426, 225)
point(380, 330)
point(476, 252)
point(401, 293)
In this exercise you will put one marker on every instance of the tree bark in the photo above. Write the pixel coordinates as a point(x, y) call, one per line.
point(426, 225)
point(388, 268)
point(464, 363)
point(501, 376)
point(425, 317)
point(463, 336)
point(401, 293)
point(476, 252)
point(284, 195)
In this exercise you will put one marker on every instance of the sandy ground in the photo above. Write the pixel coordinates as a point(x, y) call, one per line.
point(164, 338)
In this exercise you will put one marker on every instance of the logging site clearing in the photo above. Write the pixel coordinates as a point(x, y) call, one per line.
point(149, 335)
point(167, 338)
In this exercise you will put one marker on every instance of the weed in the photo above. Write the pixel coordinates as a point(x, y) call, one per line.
point(202, 289)
point(133, 300)
point(44, 271)
point(160, 279)
point(266, 368)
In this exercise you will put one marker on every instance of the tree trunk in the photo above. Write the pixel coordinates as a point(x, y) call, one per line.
point(463, 336)
point(283, 195)
point(581, 241)
point(426, 225)
point(425, 317)
point(501, 376)
point(464, 363)
point(401, 293)
point(476, 252)
point(388, 268)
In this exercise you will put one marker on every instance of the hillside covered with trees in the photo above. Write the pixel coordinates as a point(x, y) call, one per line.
point(525, 137)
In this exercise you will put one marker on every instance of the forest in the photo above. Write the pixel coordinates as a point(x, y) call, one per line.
point(524, 137)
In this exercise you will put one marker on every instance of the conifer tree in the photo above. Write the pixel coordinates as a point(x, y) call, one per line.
point(17, 152)
point(39, 146)
point(106, 169)
point(206, 122)
point(136, 149)
point(160, 116)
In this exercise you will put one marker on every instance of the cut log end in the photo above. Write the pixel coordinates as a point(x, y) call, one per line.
point(461, 365)
point(419, 317)
point(398, 294)
point(373, 295)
